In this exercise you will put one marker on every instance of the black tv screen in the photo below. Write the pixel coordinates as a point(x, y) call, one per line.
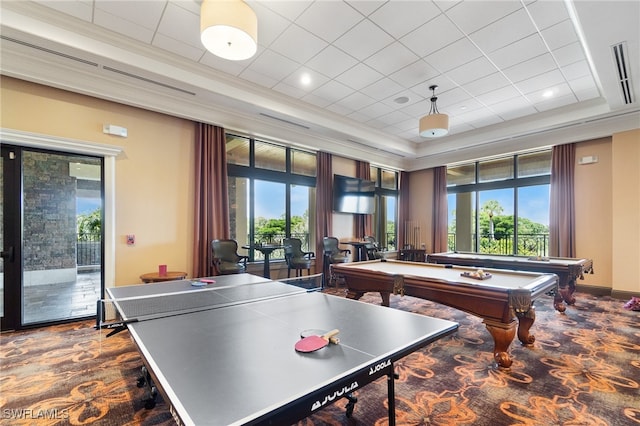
point(353, 195)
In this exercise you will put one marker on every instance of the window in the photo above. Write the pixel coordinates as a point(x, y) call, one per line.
point(500, 205)
point(271, 193)
point(385, 217)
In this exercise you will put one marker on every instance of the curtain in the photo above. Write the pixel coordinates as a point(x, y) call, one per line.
point(439, 228)
point(562, 226)
point(324, 200)
point(362, 222)
point(211, 215)
point(403, 209)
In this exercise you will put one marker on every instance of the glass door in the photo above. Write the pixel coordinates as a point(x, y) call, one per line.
point(57, 273)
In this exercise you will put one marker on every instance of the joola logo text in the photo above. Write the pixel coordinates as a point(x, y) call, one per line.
point(337, 394)
point(379, 367)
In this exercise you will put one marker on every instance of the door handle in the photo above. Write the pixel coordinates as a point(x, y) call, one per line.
point(8, 255)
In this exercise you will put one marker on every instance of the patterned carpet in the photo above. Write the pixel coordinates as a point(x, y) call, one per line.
point(584, 369)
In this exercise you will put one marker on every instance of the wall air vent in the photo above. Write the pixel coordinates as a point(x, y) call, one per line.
point(51, 51)
point(284, 121)
point(147, 80)
point(622, 65)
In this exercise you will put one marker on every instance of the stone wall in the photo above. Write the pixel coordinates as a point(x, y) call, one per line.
point(49, 213)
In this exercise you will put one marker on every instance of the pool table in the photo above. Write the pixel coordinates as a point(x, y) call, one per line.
point(567, 269)
point(504, 299)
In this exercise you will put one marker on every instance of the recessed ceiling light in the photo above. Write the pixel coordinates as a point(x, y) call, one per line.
point(547, 93)
point(305, 79)
point(401, 100)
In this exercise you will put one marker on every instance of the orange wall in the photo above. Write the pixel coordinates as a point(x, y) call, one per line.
point(593, 203)
point(154, 182)
point(626, 212)
point(607, 210)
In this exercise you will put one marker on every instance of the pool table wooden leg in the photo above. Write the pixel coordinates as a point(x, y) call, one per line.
point(503, 335)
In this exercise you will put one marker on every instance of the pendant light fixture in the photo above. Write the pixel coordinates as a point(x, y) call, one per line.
point(434, 124)
point(229, 29)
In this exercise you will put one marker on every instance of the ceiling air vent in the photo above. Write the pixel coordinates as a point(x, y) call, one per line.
point(622, 65)
point(51, 51)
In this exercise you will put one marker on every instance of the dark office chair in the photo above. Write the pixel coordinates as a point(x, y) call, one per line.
point(295, 257)
point(373, 248)
point(226, 259)
point(333, 254)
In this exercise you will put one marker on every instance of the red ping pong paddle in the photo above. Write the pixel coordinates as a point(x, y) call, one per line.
point(315, 342)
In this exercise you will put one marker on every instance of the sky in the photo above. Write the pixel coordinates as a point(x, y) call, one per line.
point(533, 202)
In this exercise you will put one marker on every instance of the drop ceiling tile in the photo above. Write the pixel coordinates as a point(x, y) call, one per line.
point(577, 70)
point(401, 17)
point(138, 13)
point(181, 25)
point(560, 35)
point(569, 54)
point(514, 108)
point(414, 74)
point(333, 91)
point(556, 102)
point(331, 62)
point(178, 47)
point(298, 44)
point(486, 84)
point(375, 110)
point(272, 65)
point(230, 67)
point(79, 9)
point(382, 89)
point(432, 36)
point(543, 81)
point(365, 7)
point(470, 16)
point(519, 51)
point(363, 40)
point(548, 13)
point(270, 24)
point(535, 66)
point(472, 71)
point(290, 10)
point(341, 16)
point(478, 117)
point(293, 91)
point(585, 88)
point(258, 78)
point(315, 79)
point(317, 100)
point(356, 101)
point(454, 55)
point(394, 117)
point(499, 95)
point(542, 96)
point(122, 26)
point(359, 76)
point(392, 58)
point(505, 31)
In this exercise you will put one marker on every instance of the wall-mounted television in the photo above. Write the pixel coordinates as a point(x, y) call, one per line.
point(353, 195)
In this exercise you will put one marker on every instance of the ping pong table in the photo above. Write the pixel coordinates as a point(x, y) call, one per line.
point(223, 354)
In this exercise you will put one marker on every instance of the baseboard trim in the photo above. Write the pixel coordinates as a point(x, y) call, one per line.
point(605, 291)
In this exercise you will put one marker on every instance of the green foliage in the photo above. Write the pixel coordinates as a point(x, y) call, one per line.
point(89, 224)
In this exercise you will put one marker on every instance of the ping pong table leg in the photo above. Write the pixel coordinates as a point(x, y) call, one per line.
point(391, 395)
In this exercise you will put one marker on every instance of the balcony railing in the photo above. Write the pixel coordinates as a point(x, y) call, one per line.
point(527, 244)
point(89, 249)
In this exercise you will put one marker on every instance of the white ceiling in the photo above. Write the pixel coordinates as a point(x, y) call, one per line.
point(495, 63)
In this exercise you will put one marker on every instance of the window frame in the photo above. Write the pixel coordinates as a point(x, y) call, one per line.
point(513, 183)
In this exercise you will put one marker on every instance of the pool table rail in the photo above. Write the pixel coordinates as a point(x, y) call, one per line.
point(504, 302)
